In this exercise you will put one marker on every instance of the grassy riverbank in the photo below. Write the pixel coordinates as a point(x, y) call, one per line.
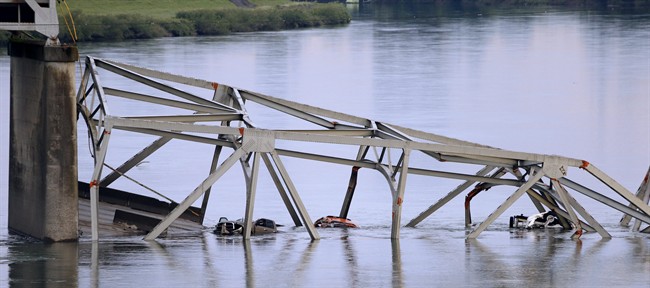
point(158, 9)
point(116, 20)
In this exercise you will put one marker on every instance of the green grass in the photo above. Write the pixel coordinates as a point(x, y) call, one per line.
point(158, 9)
point(136, 19)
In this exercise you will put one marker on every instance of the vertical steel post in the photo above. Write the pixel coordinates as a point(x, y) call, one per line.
point(352, 185)
point(94, 184)
point(522, 189)
point(250, 196)
point(296, 198)
point(398, 197)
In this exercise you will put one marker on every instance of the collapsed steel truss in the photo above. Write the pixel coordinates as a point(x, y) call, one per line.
point(226, 123)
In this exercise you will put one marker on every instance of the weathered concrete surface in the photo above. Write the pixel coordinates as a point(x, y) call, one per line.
point(43, 198)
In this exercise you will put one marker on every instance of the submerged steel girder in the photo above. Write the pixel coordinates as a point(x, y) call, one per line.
point(224, 122)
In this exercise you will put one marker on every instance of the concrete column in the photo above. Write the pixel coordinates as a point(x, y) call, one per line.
point(43, 200)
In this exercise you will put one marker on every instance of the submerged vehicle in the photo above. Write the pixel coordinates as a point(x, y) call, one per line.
point(541, 220)
point(335, 222)
point(260, 226)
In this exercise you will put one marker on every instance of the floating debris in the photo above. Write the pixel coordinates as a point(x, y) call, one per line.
point(334, 222)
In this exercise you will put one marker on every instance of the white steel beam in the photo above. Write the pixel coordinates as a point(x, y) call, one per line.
point(451, 195)
point(307, 108)
point(464, 151)
point(160, 86)
point(398, 197)
point(291, 111)
point(505, 205)
point(83, 85)
point(316, 138)
point(213, 166)
point(98, 88)
point(646, 198)
point(605, 200)
point(435, 137)
point(590, 219)
point(296, 198)
point(163, 101)
point(137, 158)
point(536, 203)
point(641, 193)
point(281, 190)
point(336, 132)
point(567, 206)
point(237, 99)
point(190, 118)
point(479, 160)
point(349, 193)
point(250, 196)
point(166, 76)
point(181, 136)
point(173, 126)
point(45, 22)
point(100, 156)
point(415, 171)
point(225, 166)
point(618, 188)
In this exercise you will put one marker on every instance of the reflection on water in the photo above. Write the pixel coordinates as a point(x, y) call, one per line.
point(568, 83)
point(34, 264)
point(341, 258)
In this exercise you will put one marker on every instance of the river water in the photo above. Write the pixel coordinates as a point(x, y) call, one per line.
point(571, 83)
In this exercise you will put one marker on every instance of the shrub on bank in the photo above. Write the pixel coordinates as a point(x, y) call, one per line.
point(113, 28)
point(179, 27)
point(203, 22)
point(224, 21)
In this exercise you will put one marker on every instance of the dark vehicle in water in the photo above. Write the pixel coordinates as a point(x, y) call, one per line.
point(260, 226)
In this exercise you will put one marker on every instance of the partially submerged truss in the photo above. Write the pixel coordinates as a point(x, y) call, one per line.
point(225, 123)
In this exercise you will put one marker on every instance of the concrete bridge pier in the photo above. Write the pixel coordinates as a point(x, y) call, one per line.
point(43, 200)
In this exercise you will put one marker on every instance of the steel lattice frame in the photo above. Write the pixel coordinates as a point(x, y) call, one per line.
point(45, 19)
point(227, 124)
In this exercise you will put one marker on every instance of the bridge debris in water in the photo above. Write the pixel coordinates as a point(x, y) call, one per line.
point(226, 123)
point(122, 214)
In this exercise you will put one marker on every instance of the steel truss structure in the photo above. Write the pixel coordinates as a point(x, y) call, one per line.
point(225, 123)
point(30, 15)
